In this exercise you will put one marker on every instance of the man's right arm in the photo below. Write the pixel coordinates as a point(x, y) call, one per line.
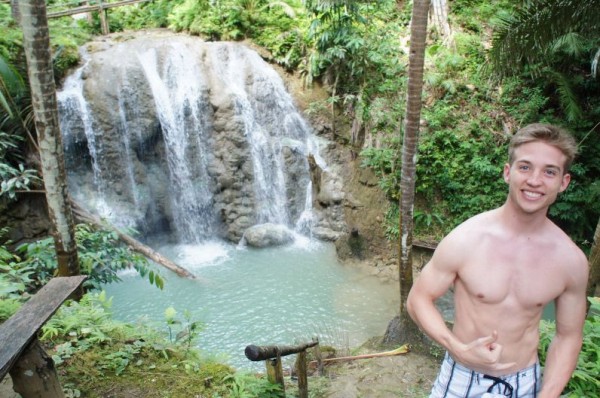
point(435, 279)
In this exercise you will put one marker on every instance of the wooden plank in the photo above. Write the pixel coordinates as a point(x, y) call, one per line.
point(90, 8)
point(19, 330)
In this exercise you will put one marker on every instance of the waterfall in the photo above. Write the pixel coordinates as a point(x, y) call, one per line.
point(264, 138)
point(74, 114)
point(198, 139)
point(177, 91)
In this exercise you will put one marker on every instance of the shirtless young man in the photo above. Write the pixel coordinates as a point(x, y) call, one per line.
point(506, 265)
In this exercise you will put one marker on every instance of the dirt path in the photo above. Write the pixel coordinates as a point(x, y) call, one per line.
point(410, 375)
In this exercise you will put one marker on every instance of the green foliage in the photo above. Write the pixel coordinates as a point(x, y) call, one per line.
point(14, 107)
point(151, 14)
point(181, 328)
point(392, 223)
point(101, 256)
point(245, 385)
point(85, 322)
point(10, 35)
point(90, 348)
point(13, 281)
point(275, 25)
point(8, 307)
point(461, 175)
point(15, 179)
point(584, 381)
point(385, 163)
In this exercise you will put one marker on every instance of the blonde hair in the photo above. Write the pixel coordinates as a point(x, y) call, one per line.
point(551, 135)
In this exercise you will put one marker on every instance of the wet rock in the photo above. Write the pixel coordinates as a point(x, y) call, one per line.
point(266, 235)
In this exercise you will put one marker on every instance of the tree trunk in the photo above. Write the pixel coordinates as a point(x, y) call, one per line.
point(418, 34)
point(36, 43)
point(439, 18)
point(14, 11)
point(594, 279)
point(84, 216)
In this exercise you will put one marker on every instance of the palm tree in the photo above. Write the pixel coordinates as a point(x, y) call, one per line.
point(36, 43)
point(403, 326)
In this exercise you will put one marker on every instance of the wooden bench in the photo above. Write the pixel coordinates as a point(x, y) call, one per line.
point(31, 369)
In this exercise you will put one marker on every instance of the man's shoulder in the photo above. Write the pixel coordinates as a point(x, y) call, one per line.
point(561, 240)
point(566, 250)
point(476, 225)
point(467, 234)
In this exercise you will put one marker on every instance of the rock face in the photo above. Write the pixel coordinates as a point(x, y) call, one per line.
point(168, 133)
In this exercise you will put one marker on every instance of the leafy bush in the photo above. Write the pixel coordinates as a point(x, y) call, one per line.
point(181, 327)
point(584, 382)
point(90, 349)
point(249, 386)
point(14, 281)
point(461, 175)
point(152, 14)
point(101, 256)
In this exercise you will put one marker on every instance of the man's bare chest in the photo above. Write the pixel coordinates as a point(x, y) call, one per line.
point(523, 279)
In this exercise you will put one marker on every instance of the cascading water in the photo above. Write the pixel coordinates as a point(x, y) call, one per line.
point(264, 138)
point(199, 138)
point(74, 113)
point(177, 88)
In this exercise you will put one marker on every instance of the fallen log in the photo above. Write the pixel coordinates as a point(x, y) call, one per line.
point(84, 216)
point(398, 351)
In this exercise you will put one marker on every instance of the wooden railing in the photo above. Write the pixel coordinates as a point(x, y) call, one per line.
point(272, 357)
point(99, 6)
point(31, 368)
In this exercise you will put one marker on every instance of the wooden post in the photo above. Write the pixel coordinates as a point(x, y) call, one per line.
point(302, 376)
point(88, 15)
point(103, 19)
point(319, 357)
point(14, 11)
point(275, 372)
point(34, 375)
point(272, 356)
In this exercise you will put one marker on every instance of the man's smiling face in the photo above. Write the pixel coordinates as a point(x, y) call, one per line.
point(536, 176)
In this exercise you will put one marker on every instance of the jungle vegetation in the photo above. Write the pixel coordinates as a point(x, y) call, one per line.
point(474, 98)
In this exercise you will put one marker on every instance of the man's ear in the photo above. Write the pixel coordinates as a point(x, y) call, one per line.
point(566, 179)
point(506, 172)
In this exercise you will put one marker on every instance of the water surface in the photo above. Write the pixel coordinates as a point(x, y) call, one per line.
point(269, 296)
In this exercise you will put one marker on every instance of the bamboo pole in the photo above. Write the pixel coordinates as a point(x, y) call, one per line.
point(398, 351)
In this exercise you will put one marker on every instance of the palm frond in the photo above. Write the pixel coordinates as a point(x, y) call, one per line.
point(571, 43)
point(285, 7)
point(526, 37)
point(11, 86)
point(568, 99)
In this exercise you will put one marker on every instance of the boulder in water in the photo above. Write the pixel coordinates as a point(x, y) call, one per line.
point(266, 235)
